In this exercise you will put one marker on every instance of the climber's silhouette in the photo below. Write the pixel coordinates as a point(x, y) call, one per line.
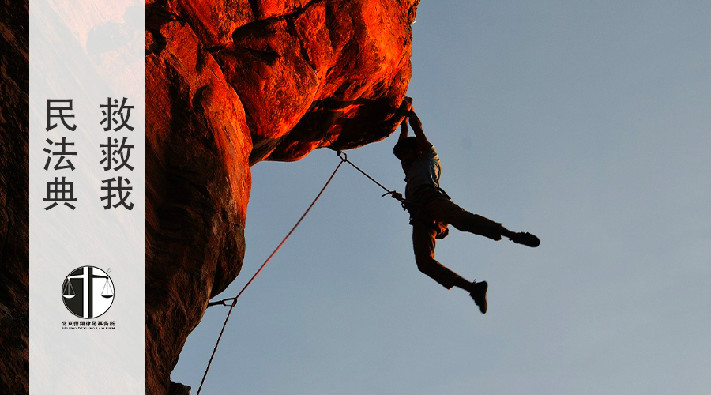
point(431, 209)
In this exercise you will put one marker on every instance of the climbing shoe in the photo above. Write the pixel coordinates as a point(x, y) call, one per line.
point(526, 239)
point(478, 292)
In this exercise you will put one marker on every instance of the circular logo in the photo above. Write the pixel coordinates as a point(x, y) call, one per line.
point(88, 292)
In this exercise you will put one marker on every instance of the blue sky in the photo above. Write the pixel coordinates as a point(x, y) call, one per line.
point(586, 123)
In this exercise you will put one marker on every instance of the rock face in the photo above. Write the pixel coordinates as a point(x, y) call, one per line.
point(14, 171)
point(231, 83)
point(228, 84)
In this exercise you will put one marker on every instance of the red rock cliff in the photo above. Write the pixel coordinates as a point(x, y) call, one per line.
point(231, 83)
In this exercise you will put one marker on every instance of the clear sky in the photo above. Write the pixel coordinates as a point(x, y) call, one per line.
point(585, 122)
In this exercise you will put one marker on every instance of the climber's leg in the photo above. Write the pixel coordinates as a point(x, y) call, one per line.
point(446, 211)
point(423, 242)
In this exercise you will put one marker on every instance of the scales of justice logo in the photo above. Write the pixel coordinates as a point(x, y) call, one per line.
point(88, 292)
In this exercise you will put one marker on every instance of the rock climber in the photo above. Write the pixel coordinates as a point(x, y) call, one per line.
point(431, 209)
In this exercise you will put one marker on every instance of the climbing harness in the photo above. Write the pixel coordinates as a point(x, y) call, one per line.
point(224, 302)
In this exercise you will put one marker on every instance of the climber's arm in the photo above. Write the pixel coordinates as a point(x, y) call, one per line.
point(404, 131)
point(405, 108)
point(422, 141)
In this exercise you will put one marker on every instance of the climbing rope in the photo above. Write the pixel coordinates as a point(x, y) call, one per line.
point(344, 158)
point(234, 300)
